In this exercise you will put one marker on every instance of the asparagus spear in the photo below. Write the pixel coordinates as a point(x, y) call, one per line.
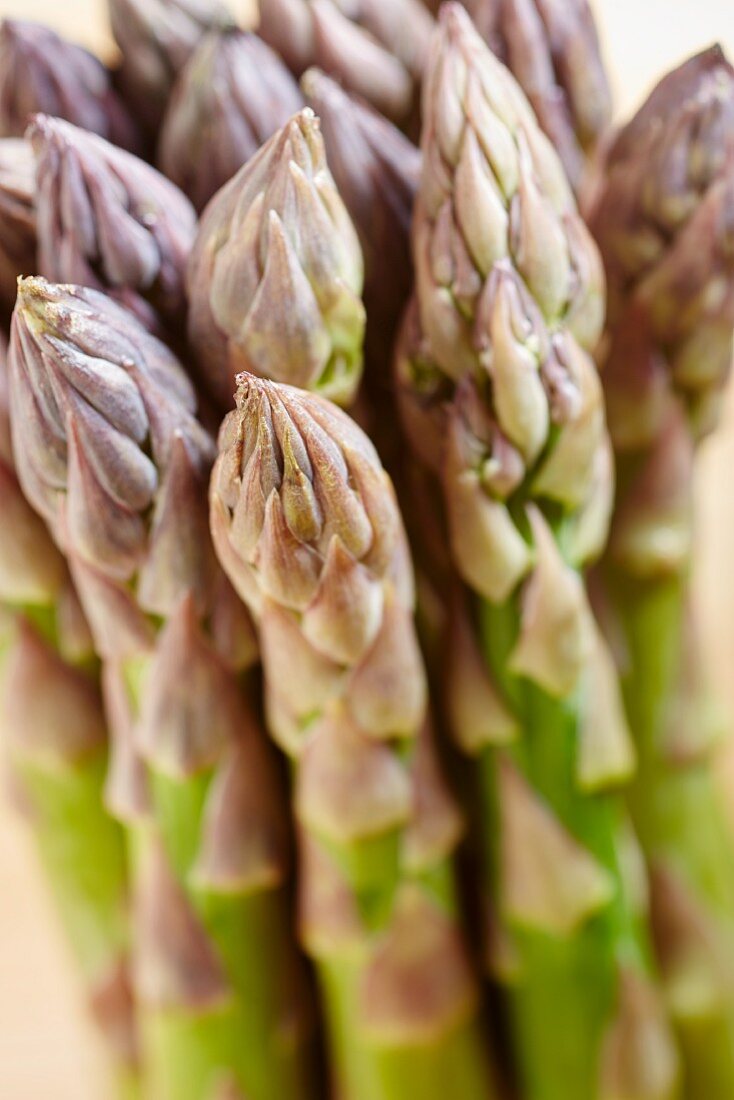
point(56, 743)
point(17, 215)
point(275, 274)
point(156, 39)
point(111, 455)
point(375, 47)
point(663, 219)
point(552, 49)
point(509, 294)
point(231, 96)
point(305, 522)
point(107, 220)
point(41, 72)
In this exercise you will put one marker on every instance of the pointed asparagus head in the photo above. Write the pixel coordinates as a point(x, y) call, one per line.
point(661, 166)
point(298, 495)
point(108, 450)
point(376, 49)
point(492, 192)
point(275, 275)
point(231, 96)
point(108, 220)
point(41, 72)
point(552, 49)
point(664, 219)
point(156, 38)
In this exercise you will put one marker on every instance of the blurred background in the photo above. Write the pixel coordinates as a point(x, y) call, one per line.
point(46, 1045)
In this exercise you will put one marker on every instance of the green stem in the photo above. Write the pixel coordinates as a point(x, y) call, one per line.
point(82, 854)
point(678, 811)
point(453, 1065)
point(564, 997)
point(253, 1038)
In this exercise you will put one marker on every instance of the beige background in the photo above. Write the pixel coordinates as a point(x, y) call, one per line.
point(46, 1046)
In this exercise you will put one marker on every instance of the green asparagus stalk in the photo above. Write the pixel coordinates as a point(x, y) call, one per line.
point(376, 48)
point(55, 740)
point(552, 49)
point(111, 455)
point(305, 522)
point(663, 218)
point(509, 411)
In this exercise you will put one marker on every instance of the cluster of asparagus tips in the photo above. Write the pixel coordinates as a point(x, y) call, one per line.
point(110, 453)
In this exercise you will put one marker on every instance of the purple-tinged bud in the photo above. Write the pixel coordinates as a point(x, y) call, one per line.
point(156, 39)
point(41, 73)
point(232, 95)
point(552, 49)
point(375, 48)
point(17, 215)
point(109, 452)
point(376, 170)
point(275, 275)
point(109, 221)
point(660, 168)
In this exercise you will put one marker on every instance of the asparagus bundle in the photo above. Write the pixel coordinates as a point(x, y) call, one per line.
point(305, 523)
point(505, 403)
point(231, 96)
point(664, 218)
point(42, 73)
point(56, 743)
point(552, 49)
point(275, 274)
point(17, 215)
point(106, 219)
point(376, 48)
point(156, 39)
point(111, 455)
